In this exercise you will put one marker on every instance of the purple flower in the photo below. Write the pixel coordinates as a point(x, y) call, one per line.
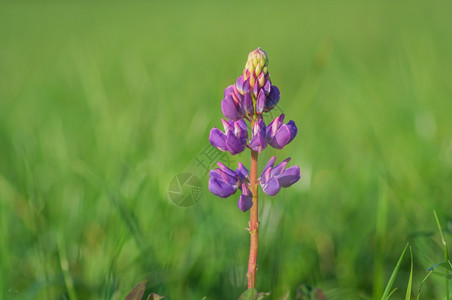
point(238, 101)
point(242, 85)
point(278, 134)
point(267, 97)
point(232, 106)
point(244, 88)
point(245, 200)
point(242, 172)
point(273, 178)
point(224, 182)
point(272, 98)
point(233, 139)
point(260, 101)
point(258, 141)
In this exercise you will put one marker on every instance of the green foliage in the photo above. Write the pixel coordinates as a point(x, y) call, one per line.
point(103, 104)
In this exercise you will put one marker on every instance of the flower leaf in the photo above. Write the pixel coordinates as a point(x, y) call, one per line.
point(249, 294)
point(154, 296)
point(137, 292)
point(286, 296)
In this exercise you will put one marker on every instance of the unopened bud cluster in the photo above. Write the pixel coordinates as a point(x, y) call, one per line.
point(256, 68)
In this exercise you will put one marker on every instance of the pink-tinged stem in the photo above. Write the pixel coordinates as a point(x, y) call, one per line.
point(254, 223)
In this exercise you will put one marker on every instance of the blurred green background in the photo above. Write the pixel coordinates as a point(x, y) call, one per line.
point(102, 104)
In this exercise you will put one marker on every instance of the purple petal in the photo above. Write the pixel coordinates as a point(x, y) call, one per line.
point(220, 188)
point(289, 176)
point(266, 175)
point(273, 127)
point(242, 171)
point(248, 104)
point(215, 174)
point(272, 99)
point(228, 90)
point(246, 86)
point(227, 125)
point(239, 84)
point(255, 90)
point(236, 94)
point(242, 125)
point(267, 87)
point(271, 187)
point(217, 139)
point(246, 190)
point(242, 85)
point(280, 167)
point(259, 127)
point(285, 134)
point(270, 164)
point(226, 169)
point(240, 131)
point(233, 144)
point(260, 102)
point(258, 141)
point(281, 138)
point(244, 203)
point(278, 136)
point(293, 130)
point(227, 175)
point(229, 108)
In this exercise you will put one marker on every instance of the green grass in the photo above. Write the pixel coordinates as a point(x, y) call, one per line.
point(101, 105)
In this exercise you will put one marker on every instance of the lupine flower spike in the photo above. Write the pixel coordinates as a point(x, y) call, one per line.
point(247, 99)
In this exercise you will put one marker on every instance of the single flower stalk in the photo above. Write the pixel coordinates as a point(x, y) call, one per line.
point(252, 95)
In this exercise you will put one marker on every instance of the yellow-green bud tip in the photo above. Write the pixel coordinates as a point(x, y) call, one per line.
point(257, 62)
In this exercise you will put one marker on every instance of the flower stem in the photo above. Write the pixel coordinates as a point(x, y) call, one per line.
point(254, 223)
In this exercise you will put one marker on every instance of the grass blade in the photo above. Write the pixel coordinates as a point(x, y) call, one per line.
point(446, 253)
point(443, 241)
point(392, 292)
point(410, 281)
point(387, 292)
point(422, 283)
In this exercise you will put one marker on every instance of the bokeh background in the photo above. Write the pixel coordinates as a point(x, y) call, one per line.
point(102, 104)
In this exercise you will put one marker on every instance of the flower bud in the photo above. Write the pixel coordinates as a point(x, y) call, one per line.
point(262, 80)
point(256, 65)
